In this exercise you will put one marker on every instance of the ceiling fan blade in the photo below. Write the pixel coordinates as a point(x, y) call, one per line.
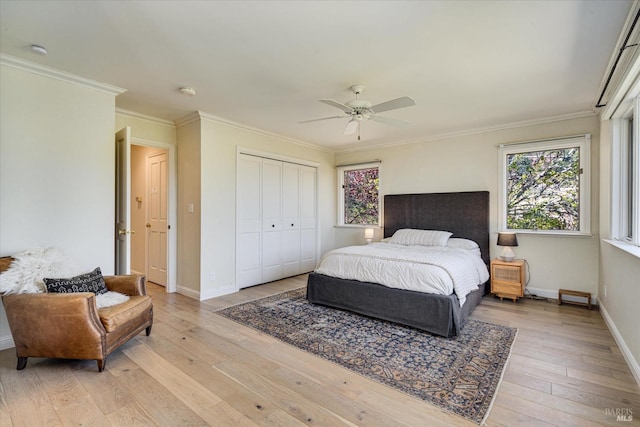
point(337, 104)
point(390, 121)
point(394, 104)
point(351, 128)
point(324, 118)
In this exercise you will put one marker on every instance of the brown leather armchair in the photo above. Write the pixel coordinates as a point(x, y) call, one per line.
point(70, 326)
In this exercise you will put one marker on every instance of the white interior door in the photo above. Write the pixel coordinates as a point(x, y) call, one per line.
point(308, 220)
point(271, 220)
point(290, 219)
point(249, 221)
point(157, 225)
point(123, 202)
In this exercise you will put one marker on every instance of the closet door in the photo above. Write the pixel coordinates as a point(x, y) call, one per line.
point(290, 219)
point(249, 222)
point(271, 220)
point(308, 220)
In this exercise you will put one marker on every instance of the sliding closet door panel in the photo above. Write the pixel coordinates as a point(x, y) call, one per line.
point(271, 256)
point(291, 219)
point(308, 197)
point(290, 196)
point(290, 253)
point(308, 221)
point(271, 220)
point(271, 195)
point(249, 260)
point(307, 250)
point(249, 221)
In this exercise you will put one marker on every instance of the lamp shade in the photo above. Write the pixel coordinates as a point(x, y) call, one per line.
point(368, 233)
point(507, 239)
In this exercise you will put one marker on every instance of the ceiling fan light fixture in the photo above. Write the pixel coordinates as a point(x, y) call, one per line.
point(352, 126)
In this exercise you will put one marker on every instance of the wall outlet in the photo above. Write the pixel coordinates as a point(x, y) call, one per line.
point(212, 276)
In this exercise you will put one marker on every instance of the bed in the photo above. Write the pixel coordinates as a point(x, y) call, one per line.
point(465, 215)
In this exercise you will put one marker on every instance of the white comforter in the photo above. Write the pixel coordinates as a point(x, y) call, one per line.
point(431, 269)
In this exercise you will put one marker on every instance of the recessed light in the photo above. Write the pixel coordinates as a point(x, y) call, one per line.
point(40, 50)
point(188, 91)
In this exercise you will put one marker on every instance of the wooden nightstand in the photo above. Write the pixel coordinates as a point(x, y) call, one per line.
point(507, 278)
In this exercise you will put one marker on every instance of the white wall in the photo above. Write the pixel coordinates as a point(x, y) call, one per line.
point(56, 169)
point(619, 270)
point(189, 184)
point(470, 162)
point(145, 128)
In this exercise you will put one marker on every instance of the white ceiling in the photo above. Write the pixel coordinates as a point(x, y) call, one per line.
point(469, 65)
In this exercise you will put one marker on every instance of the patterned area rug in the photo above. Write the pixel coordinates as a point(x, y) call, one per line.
point(459, 375)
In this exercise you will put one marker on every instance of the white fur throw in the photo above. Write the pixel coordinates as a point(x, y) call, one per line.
point(29, 267)
point(110, 298)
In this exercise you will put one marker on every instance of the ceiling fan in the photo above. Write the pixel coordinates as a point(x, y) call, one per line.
point(358, 109)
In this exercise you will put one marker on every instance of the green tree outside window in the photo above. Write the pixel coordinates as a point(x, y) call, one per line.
point(543, 190)
point(361, 196)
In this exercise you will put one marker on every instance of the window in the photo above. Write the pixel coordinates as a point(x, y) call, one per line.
point(545, 186)
point(629, 153)
point(625, 174)
point(358, 195)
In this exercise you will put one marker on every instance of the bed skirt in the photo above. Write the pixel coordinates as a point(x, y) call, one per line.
point(438, 314)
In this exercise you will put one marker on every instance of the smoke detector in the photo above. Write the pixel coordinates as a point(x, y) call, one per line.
point(188, 91)
point(40, 50)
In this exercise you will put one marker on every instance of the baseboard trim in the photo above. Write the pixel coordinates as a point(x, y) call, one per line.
point(188, 292)
point(213, 293)
point(6, 343)
point(626, 352)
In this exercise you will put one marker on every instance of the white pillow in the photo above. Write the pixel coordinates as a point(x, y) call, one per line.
point(458, 243)
point(408, 236)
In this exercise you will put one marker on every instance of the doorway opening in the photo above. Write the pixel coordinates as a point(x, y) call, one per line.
point(149, 212)
point(146, 193)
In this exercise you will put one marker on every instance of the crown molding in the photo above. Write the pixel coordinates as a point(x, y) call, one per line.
point(32, 67)
point(189, 118)
point(475, 131)
point(146, 117)
point(201, 115)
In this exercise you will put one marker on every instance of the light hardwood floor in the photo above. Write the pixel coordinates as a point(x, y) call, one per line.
point(198, 368)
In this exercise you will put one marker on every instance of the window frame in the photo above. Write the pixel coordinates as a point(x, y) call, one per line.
point(583, 142)
point(353, 167)
point(625, 167)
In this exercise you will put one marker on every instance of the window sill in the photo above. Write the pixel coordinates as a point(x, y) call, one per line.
point(356, 226)
point(552, 233)
point(624, 246)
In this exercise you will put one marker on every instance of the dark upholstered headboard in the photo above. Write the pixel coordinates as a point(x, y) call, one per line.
point(465, 214)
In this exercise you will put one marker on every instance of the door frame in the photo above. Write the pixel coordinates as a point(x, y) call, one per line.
point(172, 214)
point(122, 223)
